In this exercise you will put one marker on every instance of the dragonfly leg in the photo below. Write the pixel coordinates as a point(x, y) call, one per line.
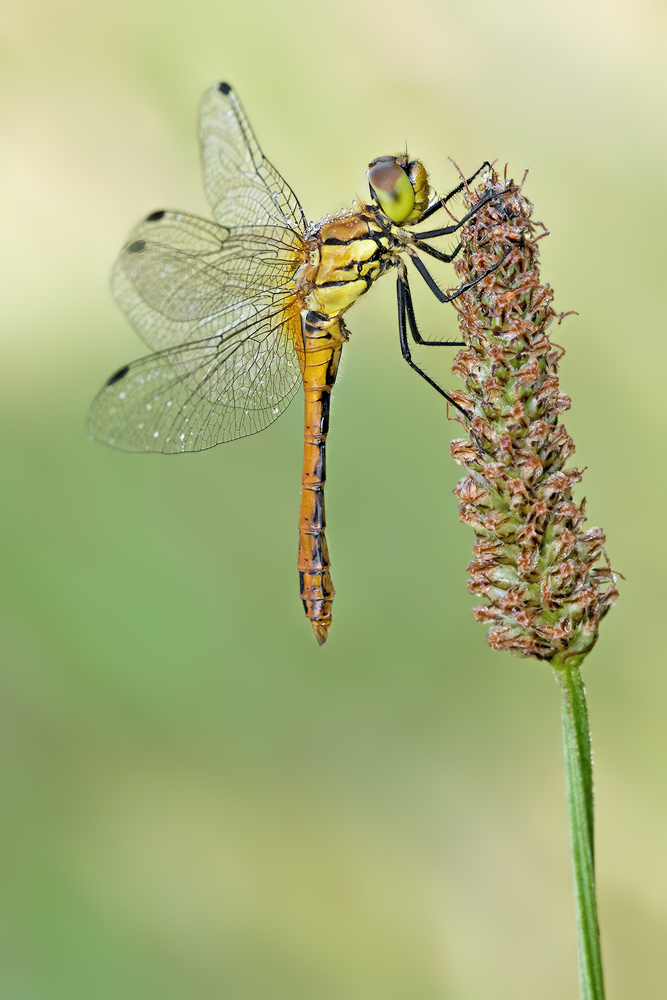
point(406, 311)
point(412, 320)
point(447, 230)
point(446, 258)
point(441, 202)
point(443, 296)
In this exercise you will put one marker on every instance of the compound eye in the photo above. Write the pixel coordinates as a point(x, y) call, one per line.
point(391, 188)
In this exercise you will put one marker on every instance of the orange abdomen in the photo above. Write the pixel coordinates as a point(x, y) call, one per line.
point(319, 354)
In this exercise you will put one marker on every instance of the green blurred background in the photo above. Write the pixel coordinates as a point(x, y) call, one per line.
point(197, 801)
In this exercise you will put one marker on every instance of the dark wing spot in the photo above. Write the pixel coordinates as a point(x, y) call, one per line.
point(117, 376)
point(137, 246)
point(224, 88)
point(155, 216)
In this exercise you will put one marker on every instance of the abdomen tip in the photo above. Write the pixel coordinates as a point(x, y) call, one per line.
point(321, 630)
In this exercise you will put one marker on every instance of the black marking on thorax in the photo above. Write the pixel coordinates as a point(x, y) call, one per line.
point(315, 320)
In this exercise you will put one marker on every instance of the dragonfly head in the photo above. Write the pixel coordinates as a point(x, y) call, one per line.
point(399, 187)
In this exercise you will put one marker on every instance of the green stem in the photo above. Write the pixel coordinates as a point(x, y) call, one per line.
point(579, 778)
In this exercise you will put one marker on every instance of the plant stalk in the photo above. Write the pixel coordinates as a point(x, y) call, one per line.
point(579, 779)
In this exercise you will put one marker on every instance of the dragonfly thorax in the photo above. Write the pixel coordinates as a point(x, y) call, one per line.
point(399, 187)
point(346, 254)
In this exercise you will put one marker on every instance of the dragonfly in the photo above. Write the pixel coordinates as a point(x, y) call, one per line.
point(242, 310)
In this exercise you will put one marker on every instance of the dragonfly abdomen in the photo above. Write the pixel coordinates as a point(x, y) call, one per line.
point(319, 354)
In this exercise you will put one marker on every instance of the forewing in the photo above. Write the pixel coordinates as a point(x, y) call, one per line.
point(242, 187)
point(180, 278)
point(197, 395)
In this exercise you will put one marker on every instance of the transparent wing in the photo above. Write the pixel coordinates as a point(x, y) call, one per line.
point(242, 187)
point(180, 278)
point(196, 395)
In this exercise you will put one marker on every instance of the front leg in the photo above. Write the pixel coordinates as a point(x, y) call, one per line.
point(440, 255)
point(447, 230)
point(441, 202)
